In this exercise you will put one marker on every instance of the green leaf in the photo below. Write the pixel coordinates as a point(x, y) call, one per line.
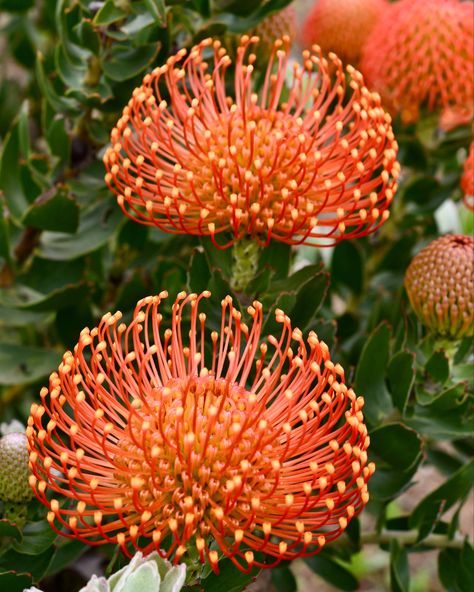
point(385, 484)
point(109, 13)
point(55, 210)
point(347, 266)
point(9, 529)
point(14, 582)
point(445, 400)
point(21, 364)
point(37, 537)
point(96, 226)
point(398, 446)
point(283, 579)
point(401, 374)
point(36, 565)
point(333, 572)
point(158, 10)
point(66, 553)
point(370, 374)
point(124, 62)
point(59, 103)
point(4, 231)
point(455, 569)
point(437, 367)
point(199, 274)
point(229, 579)
point(439, 501)
point(399, 569)
point(15, 148)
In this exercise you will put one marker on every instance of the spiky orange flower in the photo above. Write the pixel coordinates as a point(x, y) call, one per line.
point(467, 180)
point(156, 438)
point(421, 54)
point(312, 168)
point(342, 26)
point(440, 285)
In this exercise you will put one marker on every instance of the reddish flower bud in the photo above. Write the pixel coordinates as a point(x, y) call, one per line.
point(342, 26)
point(440, 285)
point(170, 439)
point(314, 168)
point(421, 54)
point(467, 180)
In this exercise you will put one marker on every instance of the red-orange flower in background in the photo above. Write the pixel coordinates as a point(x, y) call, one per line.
point(170, 439)
point(342, 26)
point(467, 179)
point(314, 167)
point(421, 54)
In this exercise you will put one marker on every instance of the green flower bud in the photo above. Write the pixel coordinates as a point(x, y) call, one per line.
point(14, 470)
point(440, 286)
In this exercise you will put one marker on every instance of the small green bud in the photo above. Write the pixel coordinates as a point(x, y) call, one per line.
point(14, 470)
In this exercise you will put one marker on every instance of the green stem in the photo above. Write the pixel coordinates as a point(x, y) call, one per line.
point(410, 537)
point(245, 254)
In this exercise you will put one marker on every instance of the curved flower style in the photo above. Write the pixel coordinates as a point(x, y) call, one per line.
point(467, 180)
point(314, 169)
point(421, 54)
point(342, 26)
point(440, 285)
point(174, 438)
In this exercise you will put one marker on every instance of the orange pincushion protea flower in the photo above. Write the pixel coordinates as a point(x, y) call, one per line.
point(440, 284)
point(467, 180)
point(159, 441)
point(314, 169)
point(342, 26)
point(421, 53)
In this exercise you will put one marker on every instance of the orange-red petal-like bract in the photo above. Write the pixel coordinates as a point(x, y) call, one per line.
point(170, 439)
point(421, 54)
point(440, 284)
point(342, 26)
point(314, 167)
point(467, 179)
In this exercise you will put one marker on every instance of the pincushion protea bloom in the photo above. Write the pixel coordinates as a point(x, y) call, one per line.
point(467, 180)
point(440, 284)
point(311, 168)
point(421, 54)
point(174, 438)
point(342, 26)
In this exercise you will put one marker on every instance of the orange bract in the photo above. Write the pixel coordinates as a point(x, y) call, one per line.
point(174, 438)
point(467, 180)
point(421, 54)
point(312, 168)
point(440, 285)
point(342, 26)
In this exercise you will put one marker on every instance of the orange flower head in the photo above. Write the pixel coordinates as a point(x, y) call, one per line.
point(440, 285)
point(175, 439)
point(342, 26)
point(421, 54)
point(467, 179)
point(313, 168)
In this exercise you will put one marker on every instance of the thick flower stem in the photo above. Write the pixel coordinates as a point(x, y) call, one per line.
point(410, 537)
point(245, 255)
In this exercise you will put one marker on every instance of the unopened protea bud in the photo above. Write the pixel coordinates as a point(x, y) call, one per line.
point(440, 285)
point(275, 26)
point(14, 471)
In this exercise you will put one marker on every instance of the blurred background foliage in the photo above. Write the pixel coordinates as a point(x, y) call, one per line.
point(67, 255)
